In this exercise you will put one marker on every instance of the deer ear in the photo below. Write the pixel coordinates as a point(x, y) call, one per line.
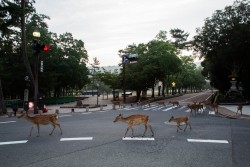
point(120, 114)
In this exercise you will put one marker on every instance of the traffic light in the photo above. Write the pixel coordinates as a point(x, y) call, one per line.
point(38, 47)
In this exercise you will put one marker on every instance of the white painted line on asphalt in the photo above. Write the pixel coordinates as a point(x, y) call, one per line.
point(208, 141)
point(65, 115)
point(103, 111)
point(168, 109)
point(211, 112)
point(138, 138)
point(173, 123)
point(76, 138)
point(87, 113)
point(182, 108)
point(7, 122)
point(14, 142)
point(151, 108)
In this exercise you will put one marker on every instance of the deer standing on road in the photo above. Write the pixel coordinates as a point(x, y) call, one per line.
point(193, 107)
point(134, 120)
point(179, 120)
point(175, 103)
point(42, 120)
point(239, 108)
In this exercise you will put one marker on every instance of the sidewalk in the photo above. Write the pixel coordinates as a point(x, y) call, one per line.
point(230, 111)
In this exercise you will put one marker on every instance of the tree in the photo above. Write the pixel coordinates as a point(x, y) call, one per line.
point(224, 42)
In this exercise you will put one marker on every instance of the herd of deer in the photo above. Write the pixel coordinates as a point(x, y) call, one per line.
point(131, 120)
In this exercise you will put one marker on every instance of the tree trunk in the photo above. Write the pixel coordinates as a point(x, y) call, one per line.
point(2, 105)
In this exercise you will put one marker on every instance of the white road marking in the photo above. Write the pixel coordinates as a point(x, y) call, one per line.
point(14, 142)
point(208, 141)
point(138, 138)
point(170, 108)
point(173, 123)
point(7, 122)
point(76, 138)
point(65, 115)
point(87, 113)
point(152, 107)
point(211, 113)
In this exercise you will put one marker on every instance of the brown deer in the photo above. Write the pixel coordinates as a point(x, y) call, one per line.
point(175, 103)
point(214, 106)
point(117, 103)
point(192, 107)
point(179, 120)
point(161, 103)
point(239, 108)
point(42, 120)
point(134, 120)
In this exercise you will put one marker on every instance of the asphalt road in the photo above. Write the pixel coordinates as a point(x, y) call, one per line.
point(92, 139)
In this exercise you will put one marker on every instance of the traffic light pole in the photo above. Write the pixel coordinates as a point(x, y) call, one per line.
point(124, 82)
point(36, 83)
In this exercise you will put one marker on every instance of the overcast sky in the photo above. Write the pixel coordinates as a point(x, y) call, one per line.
point(106, 26)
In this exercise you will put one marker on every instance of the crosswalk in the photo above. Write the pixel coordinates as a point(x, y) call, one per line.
point(165, 108)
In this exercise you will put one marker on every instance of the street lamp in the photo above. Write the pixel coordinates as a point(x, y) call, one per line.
point(36, 47)
point(173, 88)
point(97, 92)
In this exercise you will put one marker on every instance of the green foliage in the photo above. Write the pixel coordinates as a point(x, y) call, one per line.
point(224, 42)
point(64, 64)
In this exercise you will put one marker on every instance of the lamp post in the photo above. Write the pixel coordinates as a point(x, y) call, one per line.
point(97, 92)
point(36, 46)
point(173, 88)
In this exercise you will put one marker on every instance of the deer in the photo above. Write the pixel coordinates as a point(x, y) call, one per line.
point(192, 107)
point(161, 103)
point(134, 120)
point(174, 103)
point(42, 120)
point(214, 106)
point(239, 108)
point(179, 120)
point(117, 103)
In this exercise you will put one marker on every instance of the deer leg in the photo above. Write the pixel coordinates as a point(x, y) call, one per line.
point(150, 127)
point(126, 132)
point(132, 132)
point(31, 129)
point(54, 126)
point(59, 127)
point(146, 127)
point(189, 125)
point(185, 127)
point(38, 130)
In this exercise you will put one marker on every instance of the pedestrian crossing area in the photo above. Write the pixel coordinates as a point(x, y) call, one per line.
point(164, 108)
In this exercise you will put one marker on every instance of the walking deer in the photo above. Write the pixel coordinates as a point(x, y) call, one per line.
point(179, 120)
point(134, 120)
point(239, 108)
point(42, 120)
point(192, 107)
point(175, 103)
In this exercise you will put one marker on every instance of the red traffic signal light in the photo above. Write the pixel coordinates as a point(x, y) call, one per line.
point(46, 48)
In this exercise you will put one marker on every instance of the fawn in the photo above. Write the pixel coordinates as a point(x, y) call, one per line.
point(42, 120)
point(239, 108)
point(133, 120)
point(175, 103)
point(179, 120)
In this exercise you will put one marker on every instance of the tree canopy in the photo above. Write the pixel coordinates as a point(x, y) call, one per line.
point(224, 42)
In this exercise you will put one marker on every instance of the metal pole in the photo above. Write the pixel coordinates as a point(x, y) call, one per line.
point(124, 83)
point(36, 83)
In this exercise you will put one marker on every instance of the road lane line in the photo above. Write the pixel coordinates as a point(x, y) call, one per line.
point(14, 142)
point(138, 138)
point(76, 138)
point(7, 122)
point(208, 141)
point(65, 115)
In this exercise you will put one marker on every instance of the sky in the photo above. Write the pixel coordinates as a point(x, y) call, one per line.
point(106, 26)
